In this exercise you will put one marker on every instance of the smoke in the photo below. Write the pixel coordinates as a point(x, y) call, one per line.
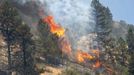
point(32, 8)
point(31, 11)
point(76, 16)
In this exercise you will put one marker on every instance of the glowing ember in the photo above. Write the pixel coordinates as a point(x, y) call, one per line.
point(81, 56)
point(65, 46)
point(97, 64)
point(54, 28)
point(96, 52)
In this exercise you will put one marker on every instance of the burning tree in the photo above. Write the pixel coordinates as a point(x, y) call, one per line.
point(48, 41)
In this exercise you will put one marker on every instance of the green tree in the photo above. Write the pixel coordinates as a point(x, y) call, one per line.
point(130, 40)
point(16, 32)
point(103, 22)
point(8, 24)
point(23, 36)
point(122, 49)
point(48, 43)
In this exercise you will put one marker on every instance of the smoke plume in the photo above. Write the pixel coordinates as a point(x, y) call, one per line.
point(76, 16)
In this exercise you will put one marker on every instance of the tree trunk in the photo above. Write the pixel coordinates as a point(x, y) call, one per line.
point(9, 50)
point(9, 54)
point(24, 54)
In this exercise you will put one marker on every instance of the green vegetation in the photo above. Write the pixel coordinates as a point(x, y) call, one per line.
point(74, 72)
point(49, 41)
point(24, 53)
point(130, 40)
point(17, 34)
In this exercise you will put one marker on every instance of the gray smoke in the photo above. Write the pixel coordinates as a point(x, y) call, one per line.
point(76, 16)
point(33, 8)
point(31, 12)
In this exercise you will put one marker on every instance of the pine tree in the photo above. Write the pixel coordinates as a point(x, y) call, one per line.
point(130, 40)
point(103, 22)
point(16, 32)
point(49, 43)
point(8, 25)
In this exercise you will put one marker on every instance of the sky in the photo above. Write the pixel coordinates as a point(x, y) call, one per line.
point(121, 9)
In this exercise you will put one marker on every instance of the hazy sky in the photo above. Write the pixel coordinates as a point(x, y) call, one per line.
point(121, 9)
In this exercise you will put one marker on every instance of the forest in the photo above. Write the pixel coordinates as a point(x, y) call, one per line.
point(45, 48)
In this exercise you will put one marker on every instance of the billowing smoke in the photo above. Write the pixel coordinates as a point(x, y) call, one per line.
point(31, 12)
point(76, 16)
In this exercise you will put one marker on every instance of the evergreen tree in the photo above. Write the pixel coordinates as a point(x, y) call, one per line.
point(23, 36)
point(103, 22)
point(16, 32)
point(49, 43)
point(130, 40)
point(8, 24)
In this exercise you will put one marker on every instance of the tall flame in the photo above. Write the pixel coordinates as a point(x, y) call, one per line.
point(66, 46)
point(60, 32)
point(54, 28)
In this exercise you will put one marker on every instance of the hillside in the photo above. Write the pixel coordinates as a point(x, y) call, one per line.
point(120, 29)
point(36, 39)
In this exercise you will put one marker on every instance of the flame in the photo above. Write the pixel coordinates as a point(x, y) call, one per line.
point(96, 52)
point(81, 56)
point(97, 64)
point(65, 46)
point(60, 32)
point(54, 28)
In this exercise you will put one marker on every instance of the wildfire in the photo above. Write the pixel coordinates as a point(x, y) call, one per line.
point(60, 32)
point(97, 64)
point(65, 46)
point(81, 56)
point(54, 28)
point(96, 52)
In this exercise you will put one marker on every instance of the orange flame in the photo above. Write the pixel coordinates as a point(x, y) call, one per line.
point(81, 56)
point(59, 31)
point(54, 28)
point(97, 64)
point(96, 52)
point(65, 46)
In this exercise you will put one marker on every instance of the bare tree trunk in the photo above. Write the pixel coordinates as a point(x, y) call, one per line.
point(9, 51)
point(24, 54)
